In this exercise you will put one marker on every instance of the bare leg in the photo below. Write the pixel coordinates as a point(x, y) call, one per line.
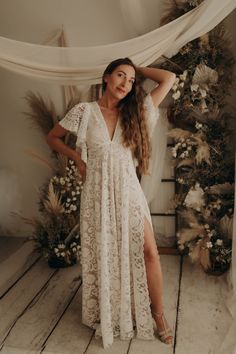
point(154, 276)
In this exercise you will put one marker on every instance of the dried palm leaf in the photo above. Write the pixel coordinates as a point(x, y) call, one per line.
point(224, 188)
point(170, 11)
point(189, 216)
point(222, 36)
point(194, 254)
point(186, 234)
point(62, 164)
point(44, 161)
point(53, 202)
point(204, 40)
point(174, 202)
point(226, 226)
point(43, 114)
point(204, 258)
point(72, 233)
point(213, 114)
point(203, 153)
point(204, 255)
point(186, 162)
point(204, 76)
point(178, 133)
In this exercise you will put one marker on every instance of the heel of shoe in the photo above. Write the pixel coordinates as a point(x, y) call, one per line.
point(165, 335)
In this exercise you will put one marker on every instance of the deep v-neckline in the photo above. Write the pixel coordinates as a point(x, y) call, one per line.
point(105, 124)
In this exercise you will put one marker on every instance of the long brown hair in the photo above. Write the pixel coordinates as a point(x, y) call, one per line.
point(133, 119)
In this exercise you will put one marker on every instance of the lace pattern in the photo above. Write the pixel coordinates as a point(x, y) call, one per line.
point(74, 123)
point(115, 296)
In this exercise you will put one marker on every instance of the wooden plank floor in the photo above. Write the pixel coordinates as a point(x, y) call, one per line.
point(41, 312)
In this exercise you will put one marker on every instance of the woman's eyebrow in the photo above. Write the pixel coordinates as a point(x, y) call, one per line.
point(121, 71)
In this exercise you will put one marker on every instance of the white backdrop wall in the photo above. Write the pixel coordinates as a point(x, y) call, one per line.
point(85, 24)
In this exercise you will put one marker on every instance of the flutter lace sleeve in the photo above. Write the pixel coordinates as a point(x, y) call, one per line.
point(76, 121)
point(72, 119)
point(152, 113)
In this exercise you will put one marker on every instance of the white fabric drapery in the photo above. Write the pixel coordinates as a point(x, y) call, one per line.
point(84, 65)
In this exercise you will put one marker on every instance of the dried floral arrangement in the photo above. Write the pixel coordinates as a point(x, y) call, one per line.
point(203, 138)
point(56, 232)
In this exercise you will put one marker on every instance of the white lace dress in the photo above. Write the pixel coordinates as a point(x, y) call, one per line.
point(115, 298)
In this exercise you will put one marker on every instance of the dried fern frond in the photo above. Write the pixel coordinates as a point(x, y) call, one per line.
point(27, 221)
point(42, 114)
point(178, 133)
point(44, 161)
point(72, 102)
point(53, 202)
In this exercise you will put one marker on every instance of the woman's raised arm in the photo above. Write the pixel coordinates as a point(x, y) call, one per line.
point(164, 78)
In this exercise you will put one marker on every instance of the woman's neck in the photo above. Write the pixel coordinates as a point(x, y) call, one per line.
point(107, 102)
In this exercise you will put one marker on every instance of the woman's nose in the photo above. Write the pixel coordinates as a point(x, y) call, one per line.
point(124, 82)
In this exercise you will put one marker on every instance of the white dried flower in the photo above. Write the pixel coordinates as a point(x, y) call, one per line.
point(62, 181)
point(184, 75)
point(174, 87)
point(194, 87)
point(177, 80)
point(174, 153)
point(219, 242)
point(61, 246)
point(209, 244)
point(176, 95)
point(203, 93)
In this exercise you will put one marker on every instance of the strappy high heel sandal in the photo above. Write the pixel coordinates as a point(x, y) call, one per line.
point(165, 335)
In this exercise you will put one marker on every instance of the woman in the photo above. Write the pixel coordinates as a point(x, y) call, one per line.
point(121, 272)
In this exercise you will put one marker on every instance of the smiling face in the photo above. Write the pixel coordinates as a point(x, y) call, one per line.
point(120, 82)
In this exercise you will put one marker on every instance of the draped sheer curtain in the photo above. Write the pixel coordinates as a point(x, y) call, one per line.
point(84, 66)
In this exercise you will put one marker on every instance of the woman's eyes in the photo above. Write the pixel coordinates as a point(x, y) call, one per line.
point(123, 75)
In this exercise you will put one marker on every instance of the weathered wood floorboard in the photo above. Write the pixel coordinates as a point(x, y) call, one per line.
point(18, 298)
point(70, 335)
point(32, 329)
point(203, 317)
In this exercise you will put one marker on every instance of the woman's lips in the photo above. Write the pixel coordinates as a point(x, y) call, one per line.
point(121, 90)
